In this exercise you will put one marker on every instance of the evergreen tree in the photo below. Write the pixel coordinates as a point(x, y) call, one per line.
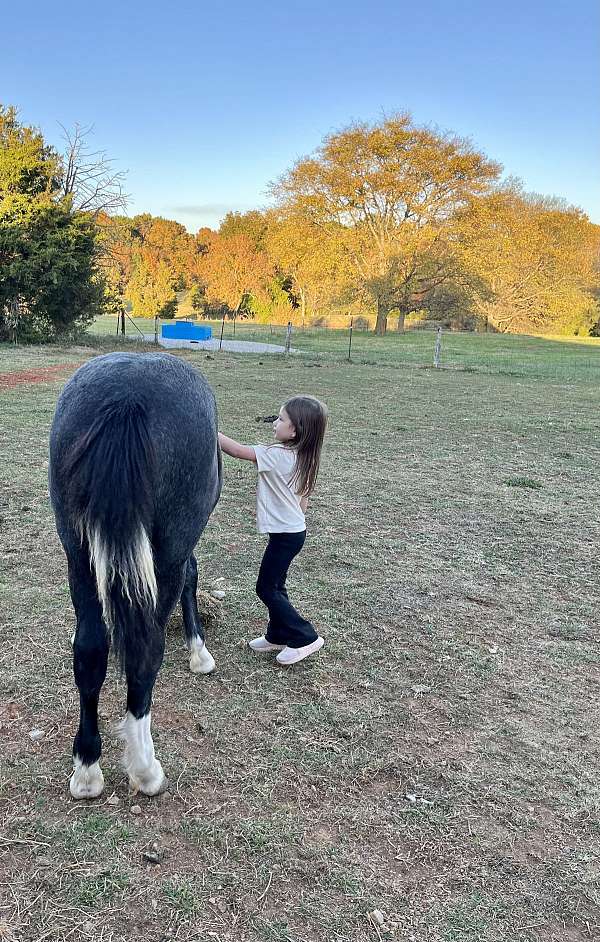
point(49, 281)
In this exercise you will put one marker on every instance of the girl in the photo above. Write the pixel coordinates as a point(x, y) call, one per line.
point(287, 471)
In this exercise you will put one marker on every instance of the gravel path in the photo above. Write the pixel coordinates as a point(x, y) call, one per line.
point(236, 346)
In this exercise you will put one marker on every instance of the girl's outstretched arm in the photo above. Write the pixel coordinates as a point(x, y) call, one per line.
point(233, 448)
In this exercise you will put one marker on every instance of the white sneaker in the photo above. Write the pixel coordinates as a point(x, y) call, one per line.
point(293, 655)
point(261, 645)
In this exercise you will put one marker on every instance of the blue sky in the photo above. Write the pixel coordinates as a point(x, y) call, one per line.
point(204, 104)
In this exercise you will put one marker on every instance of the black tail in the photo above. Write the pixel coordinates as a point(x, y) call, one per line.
point(110, 471)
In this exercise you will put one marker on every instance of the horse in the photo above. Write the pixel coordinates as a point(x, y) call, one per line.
point(135, 472)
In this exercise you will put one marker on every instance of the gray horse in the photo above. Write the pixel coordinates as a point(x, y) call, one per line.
point(135, 472)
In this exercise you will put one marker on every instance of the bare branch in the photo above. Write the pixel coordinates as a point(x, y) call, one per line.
point(88, 176)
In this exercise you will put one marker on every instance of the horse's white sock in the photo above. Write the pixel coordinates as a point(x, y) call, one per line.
point(201, 660)
point(86, 781)
point(143, 768)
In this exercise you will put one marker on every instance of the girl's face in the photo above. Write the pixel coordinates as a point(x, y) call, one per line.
point(283, 428)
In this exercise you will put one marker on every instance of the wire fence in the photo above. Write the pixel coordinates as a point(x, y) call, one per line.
point(560, 359)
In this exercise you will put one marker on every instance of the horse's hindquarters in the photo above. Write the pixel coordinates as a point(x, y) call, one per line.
point(134, 475)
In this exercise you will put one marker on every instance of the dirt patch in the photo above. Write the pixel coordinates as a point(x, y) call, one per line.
point(44, 375)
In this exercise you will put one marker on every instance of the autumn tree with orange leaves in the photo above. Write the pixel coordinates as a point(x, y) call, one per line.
point(388, 195)
point(539, 260)
point(234, 272)
point(149, 259)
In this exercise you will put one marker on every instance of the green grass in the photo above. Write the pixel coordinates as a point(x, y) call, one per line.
point(100, 889)
point(181, 896)
point(437, 761)
point(558, 359)
point(524, 482)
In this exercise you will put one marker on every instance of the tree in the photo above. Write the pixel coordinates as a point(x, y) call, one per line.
point(29, 168)
point(149, 259)
point(50, 283)
point(308, 258)
point(233, 271)
point(203, 239)
point(152, 288)
point(454, 303)
point(538, 257)
point(169, 242)
point(252, 224)
point(389, 190)
point(88, 178)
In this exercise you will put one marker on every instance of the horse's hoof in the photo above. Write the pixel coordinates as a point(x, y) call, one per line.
point(152, 782)
point(201, 661)
point(87, 781)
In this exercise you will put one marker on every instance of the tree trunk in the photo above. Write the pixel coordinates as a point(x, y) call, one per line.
point(302, 305)
point(401, 316)
point(382, 316)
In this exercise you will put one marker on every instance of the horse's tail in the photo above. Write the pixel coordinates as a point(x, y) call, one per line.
point(110, 474)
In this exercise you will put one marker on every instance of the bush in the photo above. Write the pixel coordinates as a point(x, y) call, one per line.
point(52, 288)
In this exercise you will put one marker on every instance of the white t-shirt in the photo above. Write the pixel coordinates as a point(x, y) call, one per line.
point(278, 507)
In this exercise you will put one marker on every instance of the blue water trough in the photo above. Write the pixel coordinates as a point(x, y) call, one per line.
point(185, 330)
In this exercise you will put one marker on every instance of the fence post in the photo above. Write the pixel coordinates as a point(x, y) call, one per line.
point(288, 338)
point(438, 348)
point(350, 340)
point(237, 310)
point(14, 319)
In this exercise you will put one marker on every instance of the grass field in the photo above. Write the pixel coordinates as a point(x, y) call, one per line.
point(437, 761)
point(557, 358)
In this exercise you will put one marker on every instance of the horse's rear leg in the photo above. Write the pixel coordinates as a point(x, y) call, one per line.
point(201, 660)
point(143, 768)
point(90, 658)
point(141, 668)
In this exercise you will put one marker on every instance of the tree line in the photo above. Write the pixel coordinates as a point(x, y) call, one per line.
point(387, 222)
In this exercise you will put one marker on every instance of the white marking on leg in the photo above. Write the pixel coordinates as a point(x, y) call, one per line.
point(86, 781)
point(143, 768)
point(201, 660)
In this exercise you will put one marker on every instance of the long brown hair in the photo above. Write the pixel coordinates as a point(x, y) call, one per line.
point(309, 417)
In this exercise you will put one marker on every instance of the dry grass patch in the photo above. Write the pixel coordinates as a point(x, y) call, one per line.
point(437, 762)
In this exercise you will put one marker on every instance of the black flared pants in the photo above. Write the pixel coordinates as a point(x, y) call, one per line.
point(286, 625)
